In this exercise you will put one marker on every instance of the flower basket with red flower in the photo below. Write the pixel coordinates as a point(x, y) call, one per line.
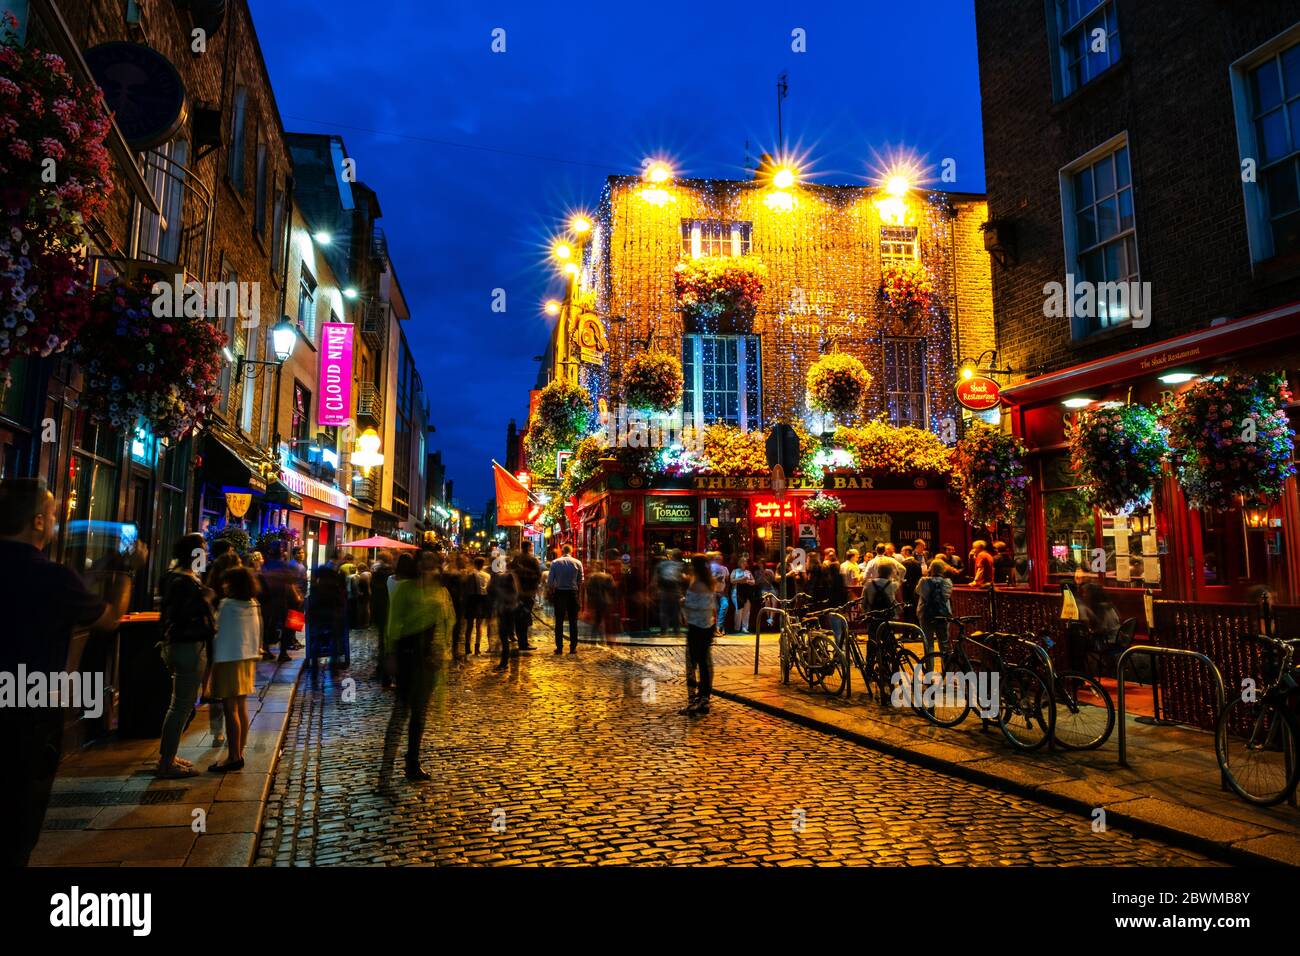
point(1231, 439)
point(906, 287)
point(164, 369)
point(1117, 454)
point(989, 467)
point(653, 381)
point(711, 287)
point(54, 172)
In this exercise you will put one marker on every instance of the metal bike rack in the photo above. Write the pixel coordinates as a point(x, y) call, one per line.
point(758, 630)
point(1165, 652)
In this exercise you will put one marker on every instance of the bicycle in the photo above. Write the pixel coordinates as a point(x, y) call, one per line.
point(793, 641)
point(882, 662)
point(1263, 767)
point(952, 685)
point(1084, 712)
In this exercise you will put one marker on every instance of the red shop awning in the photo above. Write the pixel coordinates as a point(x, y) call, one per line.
point(1218, 342)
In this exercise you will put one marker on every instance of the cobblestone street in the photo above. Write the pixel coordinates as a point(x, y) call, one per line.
point(584, 760)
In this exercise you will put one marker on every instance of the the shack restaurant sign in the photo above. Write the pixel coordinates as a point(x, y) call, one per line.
point(979, 393)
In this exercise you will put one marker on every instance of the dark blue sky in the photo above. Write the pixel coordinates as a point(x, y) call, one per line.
point(477, 156)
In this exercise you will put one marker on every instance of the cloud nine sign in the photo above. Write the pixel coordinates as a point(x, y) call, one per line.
point(335, 407)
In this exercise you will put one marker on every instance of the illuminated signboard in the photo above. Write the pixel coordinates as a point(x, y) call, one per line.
point(669, 510)
point(776, 510)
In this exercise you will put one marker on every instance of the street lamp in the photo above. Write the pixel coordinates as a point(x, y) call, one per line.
point(284, 336)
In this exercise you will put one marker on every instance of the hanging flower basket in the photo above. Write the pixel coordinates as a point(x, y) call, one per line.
point(653, 381)
point(564, 413)
point(287, 537)
point(906, 288)
point(139, 365)
point(1230, 437)
point(729, 450)
point(837, 384)
point(1117, 454)
point(711, 287)
point(822, 505)
point(54, 175)
point(990, 471)
point(237, 536)
point(880, 446)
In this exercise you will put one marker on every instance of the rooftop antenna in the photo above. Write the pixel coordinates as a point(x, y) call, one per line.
point(782, 91)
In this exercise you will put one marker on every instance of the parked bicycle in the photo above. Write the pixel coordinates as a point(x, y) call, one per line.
point(953, 683)
point(881, 660)
point(1263, 765)
point(1084, 712)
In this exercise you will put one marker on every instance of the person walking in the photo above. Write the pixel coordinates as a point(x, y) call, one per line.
point(701, 604)
point(742, 591)
point(564, 583)
point(419, 615)
point(933, 601)
point(43, 604)
point(480, 603)
point(722, 586)
point(528, 576)
point(669, 582)
point(600, 600)
point(235, 651)
point(379, 599)
point(188, 626)
point(505, 602)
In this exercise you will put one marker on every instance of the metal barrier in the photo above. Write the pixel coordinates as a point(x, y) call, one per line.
point(1161, 652)
point(758, 628)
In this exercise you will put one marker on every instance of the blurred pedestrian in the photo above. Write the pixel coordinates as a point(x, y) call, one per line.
point(528, 579)
point(188, 626)
point(564, 584)
point(742, 592)
point(669, 581)
point(933, 602)
point(505, 602)
point(600, 600)
point(419, 627)
point(701, 604)
point(234, 660)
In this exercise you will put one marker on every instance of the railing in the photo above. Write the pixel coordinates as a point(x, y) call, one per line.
point(180, 235)
point(1016, 612)
point(374, 325)
point(379, 243)
point(363, 488)
point(370, 404)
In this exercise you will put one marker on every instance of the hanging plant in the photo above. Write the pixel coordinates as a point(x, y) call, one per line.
point(564, 413)
point(822, 505)
point(140, 365)
point(1230, 437)
point(729, 450)
point(990, 471)
point(906, 287)
point(286, 536)
point(1117, 454)
point(653, 381)
point(837, 383)
point(55, 175)
point(237, 536)
point(880, 446)
point(712, 286)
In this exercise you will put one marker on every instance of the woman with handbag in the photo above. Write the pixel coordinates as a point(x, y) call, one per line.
point(188, 626)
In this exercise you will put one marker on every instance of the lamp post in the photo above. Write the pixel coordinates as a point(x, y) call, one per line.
point(284, 336)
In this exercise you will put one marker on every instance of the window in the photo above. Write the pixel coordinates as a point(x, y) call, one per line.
point(300, 422)
point(897, 244)
point(235, 158)
point(723, 379)
point(1268, 121)
point(158, 235)
point(715, 237)
point(259, 194)
point(277, 234)
point(1100, 231)
point(227, 316)
point(1087, 34)
point(307, 304)
point(905, 395)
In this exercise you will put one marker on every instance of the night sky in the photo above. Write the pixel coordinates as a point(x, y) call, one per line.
point(477, 156)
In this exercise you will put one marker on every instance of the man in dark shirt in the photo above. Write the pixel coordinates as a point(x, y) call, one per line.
point(528, 574)
point(43, 603)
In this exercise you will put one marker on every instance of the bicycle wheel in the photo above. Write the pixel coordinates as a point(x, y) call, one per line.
point(786, 656)
point(826, 664)
point(944, 698)
point(1262, 765)
point(907, 670)
point(1025, 715)
point(1085, 715)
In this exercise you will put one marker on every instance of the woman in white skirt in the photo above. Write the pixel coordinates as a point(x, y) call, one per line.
point(235, 652)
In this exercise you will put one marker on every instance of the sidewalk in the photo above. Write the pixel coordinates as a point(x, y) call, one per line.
point(107, 809)
point(1170, 789)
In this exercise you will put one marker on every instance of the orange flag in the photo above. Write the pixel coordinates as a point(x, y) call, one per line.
point(512, 498)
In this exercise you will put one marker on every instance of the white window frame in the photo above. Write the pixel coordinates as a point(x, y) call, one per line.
point(307, 323)
point(1057, 32)
point(748, 417)
point(912, 341)
point(895, 249)
point(1259, 232)
point(742, 233)
point(158, 235)
point(1069, 232)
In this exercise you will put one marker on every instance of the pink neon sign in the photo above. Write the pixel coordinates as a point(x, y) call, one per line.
point(335, 404)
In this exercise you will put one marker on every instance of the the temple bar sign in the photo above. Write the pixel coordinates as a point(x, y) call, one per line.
point(669, 510)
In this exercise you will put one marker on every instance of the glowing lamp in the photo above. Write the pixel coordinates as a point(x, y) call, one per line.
point(1077, 402)
point(283, 338)
point(779, 201)
point(1177, 378)
point(784, 178)
point(658, 172)
point(968, 372)
point(552, 307)
point(349, 293)
point(580, 225)
point(571, 268)
point(367, 452)
point(324, 238)
point(898, 185)
point(562, 250)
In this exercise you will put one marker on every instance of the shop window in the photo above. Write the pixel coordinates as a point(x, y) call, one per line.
point(259, 192)
point(715, 237)
point(904, 382)
point(1266, 95)
point(1086, 542)
point(277, 234)
point(1086, 35)
point(92, 537)
point(897, 244)
point(722, 380)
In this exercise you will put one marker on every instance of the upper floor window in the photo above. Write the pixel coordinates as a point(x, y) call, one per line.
point(723, 377)
point(1267, 94)
point(238, 119)
point(715, 237)
point(277, 233)
point(259, 192)
point(159, 234)
point(897, 244)
point(300, 418)
point(1087, 41)
point(1100, 230)
point(307, 304)
point(904, 382)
